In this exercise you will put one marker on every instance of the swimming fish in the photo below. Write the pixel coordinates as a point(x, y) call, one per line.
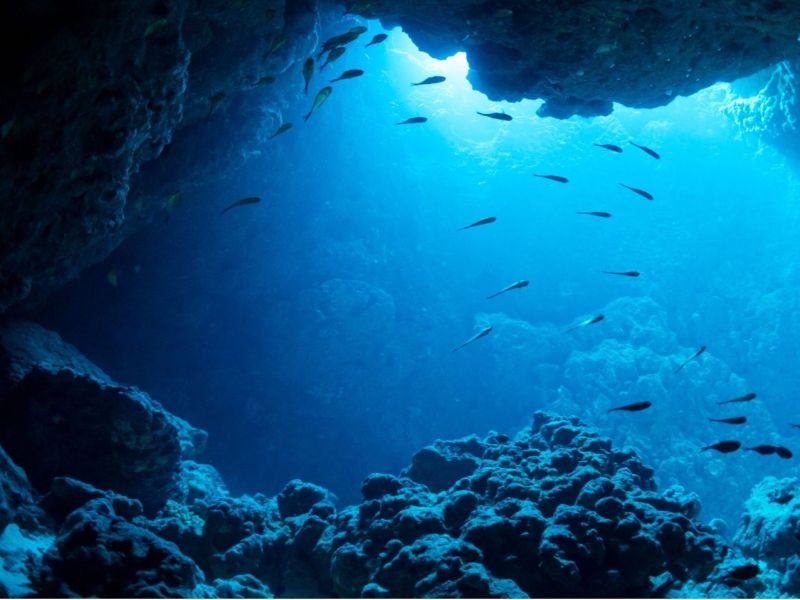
point(431, 80)
point(341, 39)
point(266, 80)
point(477, 336)
point(724, 447)
point(557, 178)
point(783, 452)
point(377, 39)
point(412, 121)
point(746, 398)
point(730, 420)
point(635, 407)
point(612, 147)
point(794, 425)
point(596, 213)
point(743, 572)
point(651, 152)
point(764, 449)
point(216, 101)
point(282, 129)
point(333, 55)
point(514, 286)
point(623, 273)
point(690, 359)
point(112, 277)
point(501, 116)
point(485, 221)
point(322, 95)
point(242, 202)
point(171, 204)
point(642, 193)
point(349, 74)
point(308, 72)
point(591, 321)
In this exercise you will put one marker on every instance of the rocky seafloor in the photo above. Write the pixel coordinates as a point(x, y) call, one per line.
point(102, 494)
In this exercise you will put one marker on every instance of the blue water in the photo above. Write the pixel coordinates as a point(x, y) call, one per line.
point(311, 335)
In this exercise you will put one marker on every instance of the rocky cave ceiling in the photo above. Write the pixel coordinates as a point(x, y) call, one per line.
point(97, 96)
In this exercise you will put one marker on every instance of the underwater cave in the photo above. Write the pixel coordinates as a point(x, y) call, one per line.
point(399, 298)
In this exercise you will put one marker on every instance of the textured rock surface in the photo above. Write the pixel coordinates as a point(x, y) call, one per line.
point(580, 57)
point(112, 436)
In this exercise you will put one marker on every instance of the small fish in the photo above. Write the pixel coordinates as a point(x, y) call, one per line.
point(501, 116)
point(431, 80)
point(477, 336)
point(623, 273)
point(612, 147)
point(724, 447)
point(651, 152)
point(377, 39)
point(642, 193)
point(349, 74)
point(171, 204)
point(336, 41)
point(557, 178)
point(635, 407)
point(322, 95)
point(690, 359)
point(215, 102)
point(596, 213)
point(591, 321)
point(333, 55)
point(485, 221)
point(783, 452)
point(794, 425)
point(242, 202)
point(413, 121)
point(731, 420)
point(266, 80)
point(155, 27)
point(308, 72)
point(746, 398)
point(764, 449)
point(514, 286)
point(282, 129)
point(743, 573)
point(112, 277)
point(357, 30)
point(277, 42)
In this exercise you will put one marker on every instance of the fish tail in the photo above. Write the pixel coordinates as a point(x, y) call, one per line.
point(495, 295)
point(308, 116)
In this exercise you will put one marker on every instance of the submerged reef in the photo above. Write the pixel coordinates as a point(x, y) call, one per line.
point(556, 510)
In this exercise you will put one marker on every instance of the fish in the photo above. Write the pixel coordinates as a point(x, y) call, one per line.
point(596, 213)
point(743, 572)
point(282, 129)
point(171, 204)
point(746, 398)
point(242, 202)
point(650, 151)
point(477, 336)
point(358, 30)
point(501, 116)
point(155, 27)
point(782, 452)
point(623, 273)
point(349, 74)
point(333, 55)
point(725, 447)
point(764, 449)
point(485, 221)
point(794, 425)
point(635, 407)
point(377, 39)
point(642, 193)
point(612, 147)
point(308, 72)
point(690, 359)
point(341, 39)
point(514, 286)
point(413, 121)
point(591, 321)
point(730, 420)
point(557, 178)
point(215, 102)
point(112, 277)
point(431, 80)
point(266, 80)
point(322, 95)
